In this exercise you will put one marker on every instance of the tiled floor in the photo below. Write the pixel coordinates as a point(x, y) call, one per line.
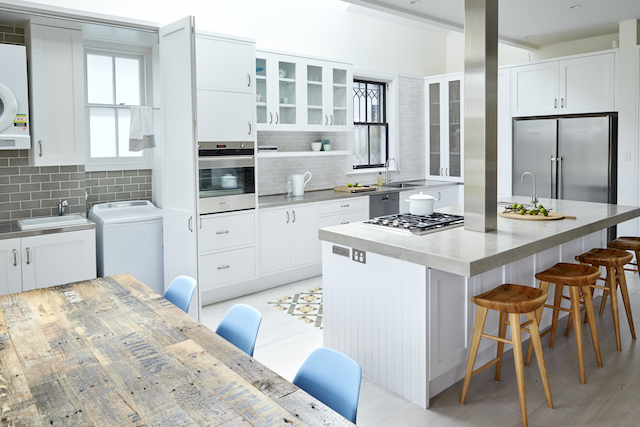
point(610, 397)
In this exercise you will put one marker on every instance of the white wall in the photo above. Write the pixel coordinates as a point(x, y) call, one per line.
point(312, 27)
point(455, 53)
point(575, 47)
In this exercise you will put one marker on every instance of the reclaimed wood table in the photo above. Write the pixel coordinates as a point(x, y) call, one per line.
point(111, 352)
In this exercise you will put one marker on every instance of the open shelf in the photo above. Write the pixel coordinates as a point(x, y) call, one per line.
point(302, 153)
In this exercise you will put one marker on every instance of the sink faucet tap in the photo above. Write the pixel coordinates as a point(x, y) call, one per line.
point(534, 195)
point(386, 170)
point(63, 204)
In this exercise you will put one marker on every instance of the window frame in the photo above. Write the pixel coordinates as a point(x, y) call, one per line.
point(392, 113)
point(116, 50)
point(382, 123)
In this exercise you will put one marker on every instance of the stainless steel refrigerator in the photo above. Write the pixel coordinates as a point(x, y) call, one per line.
point(572, 158)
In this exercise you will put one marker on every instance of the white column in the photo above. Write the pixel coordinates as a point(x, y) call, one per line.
point(628, 190)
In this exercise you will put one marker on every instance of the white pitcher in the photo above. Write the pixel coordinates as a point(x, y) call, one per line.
point(299, 183)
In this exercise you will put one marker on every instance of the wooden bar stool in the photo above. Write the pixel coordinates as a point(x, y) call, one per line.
point(623, 244)
point(613, 260)
point(579, 277)
point(512, 300)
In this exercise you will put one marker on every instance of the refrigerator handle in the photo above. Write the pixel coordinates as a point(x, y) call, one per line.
point(559, 177)
point(551, 160)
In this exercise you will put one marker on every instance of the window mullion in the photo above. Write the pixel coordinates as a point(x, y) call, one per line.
point(115, 102)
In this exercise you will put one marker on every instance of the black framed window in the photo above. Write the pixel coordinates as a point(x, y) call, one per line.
point(370, 127)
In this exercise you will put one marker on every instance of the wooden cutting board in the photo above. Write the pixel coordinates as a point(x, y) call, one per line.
point(539, 217)
point(347, 189)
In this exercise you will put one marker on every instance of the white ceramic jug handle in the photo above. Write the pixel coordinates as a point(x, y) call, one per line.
point(305, 174)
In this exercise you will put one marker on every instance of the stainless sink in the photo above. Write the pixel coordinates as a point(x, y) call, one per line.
point(402, 185)
point(51, 222)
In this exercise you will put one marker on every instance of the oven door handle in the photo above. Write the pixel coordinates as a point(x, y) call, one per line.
point(219, 162)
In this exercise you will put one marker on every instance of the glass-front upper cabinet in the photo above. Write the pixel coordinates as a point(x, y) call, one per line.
point(277, 91)
point(445, 148)
point(326, 93)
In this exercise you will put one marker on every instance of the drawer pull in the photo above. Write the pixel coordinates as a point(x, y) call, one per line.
point(222, 232)
point(28, 260)
point(343, 223)
point(344, 206)
point(15, 258)
point(222, 268)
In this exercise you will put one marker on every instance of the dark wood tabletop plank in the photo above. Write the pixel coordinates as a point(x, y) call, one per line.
point(112, 352)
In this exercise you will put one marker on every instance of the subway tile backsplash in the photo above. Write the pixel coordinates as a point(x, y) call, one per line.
point(330, 171)
point(32, 191)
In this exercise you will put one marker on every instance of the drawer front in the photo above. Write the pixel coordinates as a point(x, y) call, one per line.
point(226, 232)
point(344, 205)
point(346, 218)
point(217, 270)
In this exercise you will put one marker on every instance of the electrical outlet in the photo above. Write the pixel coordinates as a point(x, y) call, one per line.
point(626, 156)
point(359, 256)
point(341, 251)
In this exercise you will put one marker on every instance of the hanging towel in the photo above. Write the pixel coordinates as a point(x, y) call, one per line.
point(141, 129)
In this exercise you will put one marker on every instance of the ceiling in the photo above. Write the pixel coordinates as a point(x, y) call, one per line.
point(523, 23)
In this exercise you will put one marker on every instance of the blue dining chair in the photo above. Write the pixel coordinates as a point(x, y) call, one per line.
point(334, 379)
point(180, 292)
point(240, 327)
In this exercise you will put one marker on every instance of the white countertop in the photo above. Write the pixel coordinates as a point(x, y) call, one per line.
point(468, 253)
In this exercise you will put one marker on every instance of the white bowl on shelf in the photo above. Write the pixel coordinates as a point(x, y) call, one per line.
point(316, 146)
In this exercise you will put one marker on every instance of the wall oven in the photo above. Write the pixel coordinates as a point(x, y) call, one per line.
point(227, 176)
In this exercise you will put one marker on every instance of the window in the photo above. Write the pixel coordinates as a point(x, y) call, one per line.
point(370, 127)
point(115, 81)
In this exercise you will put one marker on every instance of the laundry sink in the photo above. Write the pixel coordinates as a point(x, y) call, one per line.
point(51, 222)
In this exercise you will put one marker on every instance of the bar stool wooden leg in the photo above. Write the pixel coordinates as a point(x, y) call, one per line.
point(502, 332)
point(575, 308)
point(514, 319)
point(473, 351)
point(612, 284)
point(554, 323)
point(625, 300)
point(544, 286)
point(537, 344)
point(605, 294)
point(588, 303)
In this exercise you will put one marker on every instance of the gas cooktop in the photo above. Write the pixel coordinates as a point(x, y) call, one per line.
point(418, 224)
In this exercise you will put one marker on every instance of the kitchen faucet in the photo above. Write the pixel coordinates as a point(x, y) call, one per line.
point(63, 204)
point(534, 195)
point(386, 170)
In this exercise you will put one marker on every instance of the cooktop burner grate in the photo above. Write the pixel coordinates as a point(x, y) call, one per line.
point(418, 224)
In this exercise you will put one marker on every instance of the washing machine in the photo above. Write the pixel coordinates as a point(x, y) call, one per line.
point(14, 101)
point(129, 240)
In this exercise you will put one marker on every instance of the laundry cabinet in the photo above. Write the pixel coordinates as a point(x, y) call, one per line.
point(56, 77)
point(40, 261)
point(288, 237)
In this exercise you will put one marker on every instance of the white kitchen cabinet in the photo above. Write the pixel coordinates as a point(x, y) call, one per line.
point(227, 249)
point(10, 266)
point(278, 80)
point(45, 260)
point(56, 76)
point(226, 88)
point(570, 86)
point(327, 95)
point(288, 237)
point(445, 134)
point(448, 197)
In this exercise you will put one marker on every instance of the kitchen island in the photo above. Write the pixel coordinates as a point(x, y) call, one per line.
point(403, 310)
